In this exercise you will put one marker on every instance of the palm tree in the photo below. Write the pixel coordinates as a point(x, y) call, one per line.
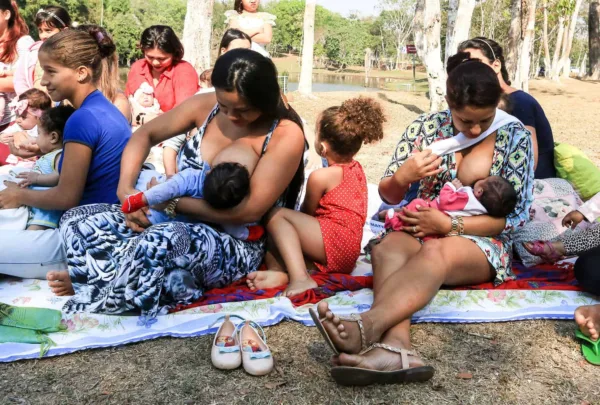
point(197, 32)
point(305, 85)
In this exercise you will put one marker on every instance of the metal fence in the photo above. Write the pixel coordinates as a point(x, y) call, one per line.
point(283, 83)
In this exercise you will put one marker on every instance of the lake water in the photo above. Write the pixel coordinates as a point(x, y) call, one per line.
point(339, 82)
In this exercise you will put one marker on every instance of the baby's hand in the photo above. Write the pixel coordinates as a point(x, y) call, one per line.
point(7, 138)
point(29, 179)
point(572, 219)
point(457, 183)
point(21, 140)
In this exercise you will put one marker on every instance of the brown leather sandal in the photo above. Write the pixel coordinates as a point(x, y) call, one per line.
point(355, 376)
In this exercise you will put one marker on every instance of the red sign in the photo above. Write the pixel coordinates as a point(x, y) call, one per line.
point(410, 49)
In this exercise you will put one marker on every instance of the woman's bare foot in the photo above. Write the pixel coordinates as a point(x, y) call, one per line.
point(260, 280)
point(60, 283)
point(346, 335)
point(299, 286)
point(587, 318)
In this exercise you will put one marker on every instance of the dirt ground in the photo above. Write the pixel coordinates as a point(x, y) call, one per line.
point(535, 362)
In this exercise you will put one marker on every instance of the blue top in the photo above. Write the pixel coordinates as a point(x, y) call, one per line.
point(99, 125)
point(530, 112)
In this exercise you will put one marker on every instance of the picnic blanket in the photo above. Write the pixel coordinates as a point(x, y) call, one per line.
point(545, 292)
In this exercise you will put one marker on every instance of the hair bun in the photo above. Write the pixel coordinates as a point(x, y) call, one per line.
point(362, 117)
point(106, 45)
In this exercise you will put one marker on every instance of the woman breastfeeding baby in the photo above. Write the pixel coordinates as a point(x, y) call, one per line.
point(115, 267)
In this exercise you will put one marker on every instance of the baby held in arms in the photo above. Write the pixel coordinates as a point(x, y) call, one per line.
point(144, 106)
point(494, 196)
point(223, 186)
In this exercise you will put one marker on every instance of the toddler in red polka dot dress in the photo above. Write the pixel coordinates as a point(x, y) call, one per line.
point(326, 234)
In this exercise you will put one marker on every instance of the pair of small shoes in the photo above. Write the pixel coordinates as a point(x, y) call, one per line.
point(244, 344)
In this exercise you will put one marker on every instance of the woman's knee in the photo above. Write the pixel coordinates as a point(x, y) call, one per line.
point(434, 252)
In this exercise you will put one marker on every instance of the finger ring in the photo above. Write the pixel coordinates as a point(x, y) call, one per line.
point(414, 229)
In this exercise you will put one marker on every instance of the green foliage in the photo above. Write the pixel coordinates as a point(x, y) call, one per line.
point(287, 34)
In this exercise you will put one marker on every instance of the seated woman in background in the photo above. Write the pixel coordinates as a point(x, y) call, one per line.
point(232, 39)
point(28, 72)
point(173, 79)
point(375, 346)
point(523, 105)
point(257, 25)
point(94, 139)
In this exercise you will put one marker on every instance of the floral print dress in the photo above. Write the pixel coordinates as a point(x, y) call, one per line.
point(512, 160)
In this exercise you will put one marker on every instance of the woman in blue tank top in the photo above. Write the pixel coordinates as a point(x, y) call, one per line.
point(94, 139)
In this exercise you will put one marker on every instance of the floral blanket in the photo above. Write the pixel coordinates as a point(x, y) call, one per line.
point(546, 292)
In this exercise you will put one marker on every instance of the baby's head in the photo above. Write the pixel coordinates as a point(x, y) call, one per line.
point(52, 127)
point(205, 81)
point(144, 95)
point(342, 130)
point(226, 185)
point(497, 195)
point(505, 104)
point(30, 106)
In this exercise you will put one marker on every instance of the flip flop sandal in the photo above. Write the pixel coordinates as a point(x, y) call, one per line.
point(589, 348)
point(351, 318)
point(354, 376)
point(537, 249)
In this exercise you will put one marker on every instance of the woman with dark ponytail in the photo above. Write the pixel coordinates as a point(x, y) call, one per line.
point(524, 106)
point(94, 139)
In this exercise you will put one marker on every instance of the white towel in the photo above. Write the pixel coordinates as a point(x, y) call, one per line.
point(460, 141)
point(12, 219)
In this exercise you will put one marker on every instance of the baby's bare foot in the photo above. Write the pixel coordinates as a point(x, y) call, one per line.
point(60, 283)
point(299, 286)
point(260, 280)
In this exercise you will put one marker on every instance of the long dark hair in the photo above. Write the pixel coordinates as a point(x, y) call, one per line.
point(231, 35)
point(238, 6)
point(164, 38)
point(491, 49)
point(471, 83)
point(254, 78)
point(54, 17)
point(17, 28)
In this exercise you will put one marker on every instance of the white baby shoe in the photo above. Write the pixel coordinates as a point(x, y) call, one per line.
point(225, 353)
point(256, 355)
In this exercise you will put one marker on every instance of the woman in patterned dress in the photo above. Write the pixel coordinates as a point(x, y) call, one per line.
point(119, 262)
point(375, 346)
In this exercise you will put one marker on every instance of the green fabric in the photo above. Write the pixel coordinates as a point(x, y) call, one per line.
point(589, 348)
point(574, 166)
point(40, 319)
point(29, 325)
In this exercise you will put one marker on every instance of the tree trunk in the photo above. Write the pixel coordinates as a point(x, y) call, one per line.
point(545, 40)
point(305, 84)
point(522, 76)
point(565, 61)
point(427, 41)
point(583, 67)
point(514, 38)
point(452, 13)
point(197, 32)
point(559, 38)
point(594, 36)
point(461, 25)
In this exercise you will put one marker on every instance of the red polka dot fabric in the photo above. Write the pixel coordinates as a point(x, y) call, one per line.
point(342, 213)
